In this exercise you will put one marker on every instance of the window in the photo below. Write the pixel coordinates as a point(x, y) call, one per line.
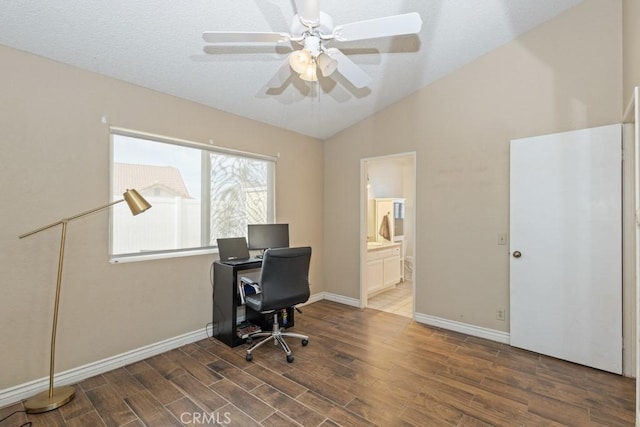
point(198, 193)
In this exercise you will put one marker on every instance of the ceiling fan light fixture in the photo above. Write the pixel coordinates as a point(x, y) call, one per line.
point(310, 74)
point(300, 60)
point(327, 64)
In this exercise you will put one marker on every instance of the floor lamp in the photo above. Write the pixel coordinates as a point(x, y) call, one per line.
point(58, 396)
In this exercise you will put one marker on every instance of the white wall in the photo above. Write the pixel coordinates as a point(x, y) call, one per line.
point(386, 178)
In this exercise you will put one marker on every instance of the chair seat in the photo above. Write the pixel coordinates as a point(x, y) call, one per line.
point(256, 302)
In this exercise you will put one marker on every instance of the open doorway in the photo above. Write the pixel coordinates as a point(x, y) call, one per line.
point(387, 229)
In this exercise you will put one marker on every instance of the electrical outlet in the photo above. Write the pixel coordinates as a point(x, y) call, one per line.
point(502, 238)
point(500, 314)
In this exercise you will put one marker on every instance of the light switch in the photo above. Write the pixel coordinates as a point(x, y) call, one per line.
point(502, 239)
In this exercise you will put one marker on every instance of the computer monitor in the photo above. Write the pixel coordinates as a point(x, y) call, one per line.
point(265, 236)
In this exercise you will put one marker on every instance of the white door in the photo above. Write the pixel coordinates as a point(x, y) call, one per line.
point(566, 246)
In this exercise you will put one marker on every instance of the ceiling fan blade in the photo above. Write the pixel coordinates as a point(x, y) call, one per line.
point(409, 23)
point(244, 37)
point(349, 69)
point(309, 12)
point(281, 76)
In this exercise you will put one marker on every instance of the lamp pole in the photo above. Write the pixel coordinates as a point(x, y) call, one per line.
point(55, 397)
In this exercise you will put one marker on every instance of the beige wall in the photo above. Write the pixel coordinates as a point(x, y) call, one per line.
point(631, 79)
point(631, 47)
point(563, 75)
point(55, 163)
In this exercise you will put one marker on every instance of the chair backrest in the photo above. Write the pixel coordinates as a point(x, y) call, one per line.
point(284, 279)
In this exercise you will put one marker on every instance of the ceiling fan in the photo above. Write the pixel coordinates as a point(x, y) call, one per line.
point(314, 30)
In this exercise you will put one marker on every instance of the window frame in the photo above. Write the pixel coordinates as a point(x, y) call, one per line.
point(211, 147)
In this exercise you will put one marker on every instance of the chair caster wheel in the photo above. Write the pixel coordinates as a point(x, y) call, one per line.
point(289, 358)
point(249, 340)
point(305, 342)
point(249, 357)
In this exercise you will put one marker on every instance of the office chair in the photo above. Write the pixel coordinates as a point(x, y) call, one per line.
point(284, 282)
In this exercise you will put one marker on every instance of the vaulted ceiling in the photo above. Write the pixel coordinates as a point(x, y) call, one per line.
point(158, 44)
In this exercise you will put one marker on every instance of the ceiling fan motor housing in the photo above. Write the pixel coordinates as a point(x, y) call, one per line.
point(312, 45)
point(324, 27)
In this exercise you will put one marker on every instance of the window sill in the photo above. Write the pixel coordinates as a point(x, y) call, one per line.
point(121, 259)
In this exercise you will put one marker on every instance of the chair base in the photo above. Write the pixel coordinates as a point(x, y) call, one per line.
point(277, 336)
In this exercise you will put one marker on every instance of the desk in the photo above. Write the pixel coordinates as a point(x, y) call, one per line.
point(226, 301)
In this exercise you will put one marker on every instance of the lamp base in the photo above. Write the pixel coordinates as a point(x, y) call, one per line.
point(41, 402)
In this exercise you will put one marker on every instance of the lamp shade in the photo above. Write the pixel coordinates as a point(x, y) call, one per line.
point(299, 60)
point(326, 64)
point(309, 73)
point(136, 202)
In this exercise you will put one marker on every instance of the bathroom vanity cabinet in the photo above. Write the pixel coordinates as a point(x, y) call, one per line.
point(383, 266)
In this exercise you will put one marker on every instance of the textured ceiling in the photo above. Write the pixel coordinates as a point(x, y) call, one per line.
point(157, 44)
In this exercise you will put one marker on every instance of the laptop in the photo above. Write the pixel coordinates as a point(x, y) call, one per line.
point(234, 251)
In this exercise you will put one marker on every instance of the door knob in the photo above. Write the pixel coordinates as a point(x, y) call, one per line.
point(517, 254)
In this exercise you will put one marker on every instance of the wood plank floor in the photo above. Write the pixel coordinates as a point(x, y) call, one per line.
point(361, 367)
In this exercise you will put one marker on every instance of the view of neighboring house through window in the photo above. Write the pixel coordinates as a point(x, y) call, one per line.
point(198, 194)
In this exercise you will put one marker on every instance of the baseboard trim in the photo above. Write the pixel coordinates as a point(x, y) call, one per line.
point(17, 393)
point(465, 328)
point(353, 302)
point(314, 298)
